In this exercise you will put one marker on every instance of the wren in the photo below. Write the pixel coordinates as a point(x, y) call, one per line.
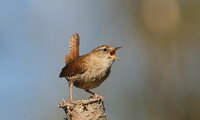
point(90, 70)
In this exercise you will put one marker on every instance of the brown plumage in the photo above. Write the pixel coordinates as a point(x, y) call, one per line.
point(90, 70)
point(74, 48)
point(73, 68)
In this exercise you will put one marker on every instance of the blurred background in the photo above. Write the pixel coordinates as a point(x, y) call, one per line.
point(157, 77)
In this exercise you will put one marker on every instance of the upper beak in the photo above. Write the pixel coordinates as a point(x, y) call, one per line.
point(117, 48)
point(112, 53)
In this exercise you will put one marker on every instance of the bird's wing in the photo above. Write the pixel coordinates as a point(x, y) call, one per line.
point(73, 68)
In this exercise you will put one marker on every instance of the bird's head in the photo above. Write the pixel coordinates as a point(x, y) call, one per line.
point(105, 52)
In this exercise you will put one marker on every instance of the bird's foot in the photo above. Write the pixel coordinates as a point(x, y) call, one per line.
point(71, 100)
point(62, 103)
point(97, 96)
point(94, 95)
point(67, 101)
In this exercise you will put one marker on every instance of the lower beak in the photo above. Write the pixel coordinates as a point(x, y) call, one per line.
point(112, 53)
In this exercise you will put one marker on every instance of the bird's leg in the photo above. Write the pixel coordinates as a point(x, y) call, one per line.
point(94, 94)
point(90, 92)
point(70, 90)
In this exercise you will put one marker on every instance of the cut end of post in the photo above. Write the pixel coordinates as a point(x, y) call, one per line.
point(87, 109)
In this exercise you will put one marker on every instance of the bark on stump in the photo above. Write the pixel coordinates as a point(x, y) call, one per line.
point(88, 109)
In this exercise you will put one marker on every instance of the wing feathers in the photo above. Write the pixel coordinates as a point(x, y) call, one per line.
point(73, 68)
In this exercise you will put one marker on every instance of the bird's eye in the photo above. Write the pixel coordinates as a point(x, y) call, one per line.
point(105, 49)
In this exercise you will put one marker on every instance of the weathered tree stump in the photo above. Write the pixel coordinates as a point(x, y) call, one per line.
point(88, 109)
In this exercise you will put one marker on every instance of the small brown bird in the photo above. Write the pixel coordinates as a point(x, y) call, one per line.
point(90, 70)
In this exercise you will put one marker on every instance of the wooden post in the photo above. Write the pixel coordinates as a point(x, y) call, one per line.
point(88, 109)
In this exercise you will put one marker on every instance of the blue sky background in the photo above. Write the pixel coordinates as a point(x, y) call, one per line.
point(157, 77)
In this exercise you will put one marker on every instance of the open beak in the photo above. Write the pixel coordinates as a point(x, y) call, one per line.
point(112, 53)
